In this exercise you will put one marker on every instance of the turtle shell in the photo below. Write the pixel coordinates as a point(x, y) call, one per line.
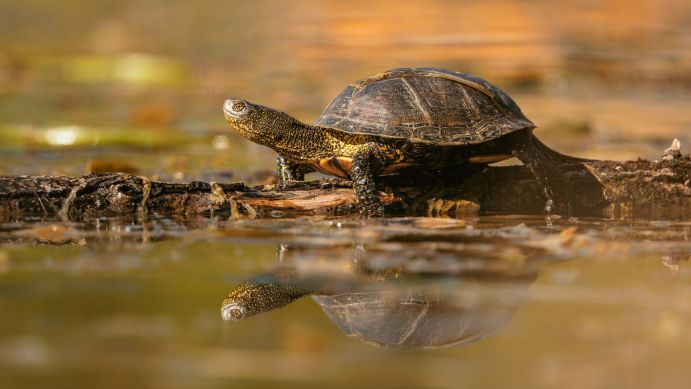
point(425, 105)
point(414, 319)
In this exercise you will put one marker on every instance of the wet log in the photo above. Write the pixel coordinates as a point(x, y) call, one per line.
point(601, 188)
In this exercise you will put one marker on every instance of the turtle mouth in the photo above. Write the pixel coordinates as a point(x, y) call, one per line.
point(233, 312)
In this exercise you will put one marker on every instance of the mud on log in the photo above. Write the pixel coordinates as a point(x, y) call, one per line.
point(601, 188)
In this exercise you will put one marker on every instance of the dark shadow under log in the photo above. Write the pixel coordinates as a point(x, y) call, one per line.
point(601, 188)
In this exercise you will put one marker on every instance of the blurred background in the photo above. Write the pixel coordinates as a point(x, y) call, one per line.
point(137, 86)
point(86, 83)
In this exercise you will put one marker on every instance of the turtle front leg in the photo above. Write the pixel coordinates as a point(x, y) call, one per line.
point(557, 188)
point(289, 171)
point(366, 165)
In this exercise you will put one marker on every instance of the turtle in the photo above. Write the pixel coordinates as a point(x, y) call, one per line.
point(423, 313)
point(404, 121)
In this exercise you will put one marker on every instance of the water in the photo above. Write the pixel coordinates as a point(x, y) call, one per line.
point(487, 301)
point(139, 304)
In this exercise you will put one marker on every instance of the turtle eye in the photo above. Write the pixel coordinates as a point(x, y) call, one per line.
point(237, 313)
point(239, 106)
point(235, 108)
point(233, 311)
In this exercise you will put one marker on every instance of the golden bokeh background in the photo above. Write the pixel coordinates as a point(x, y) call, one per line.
point(605, 79)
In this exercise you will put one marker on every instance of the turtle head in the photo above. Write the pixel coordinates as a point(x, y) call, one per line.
point(245, 300)
point(261, 294)
point(257, 123)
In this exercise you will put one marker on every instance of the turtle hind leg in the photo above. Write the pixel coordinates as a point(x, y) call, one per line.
point(541, 163)
point(557, 156)
point(365, 167)
point(289, 171)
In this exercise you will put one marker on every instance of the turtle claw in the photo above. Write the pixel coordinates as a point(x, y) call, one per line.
point(373, 210)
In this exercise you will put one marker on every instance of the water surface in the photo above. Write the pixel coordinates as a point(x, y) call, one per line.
point(525, 302)
point(122, 303)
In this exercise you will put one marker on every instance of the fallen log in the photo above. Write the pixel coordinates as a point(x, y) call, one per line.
point(601, 189)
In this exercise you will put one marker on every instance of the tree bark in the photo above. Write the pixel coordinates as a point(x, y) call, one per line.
point(602, 189)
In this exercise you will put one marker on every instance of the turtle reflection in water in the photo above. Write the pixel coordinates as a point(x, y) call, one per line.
point(403, 121)
point(418, 312)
